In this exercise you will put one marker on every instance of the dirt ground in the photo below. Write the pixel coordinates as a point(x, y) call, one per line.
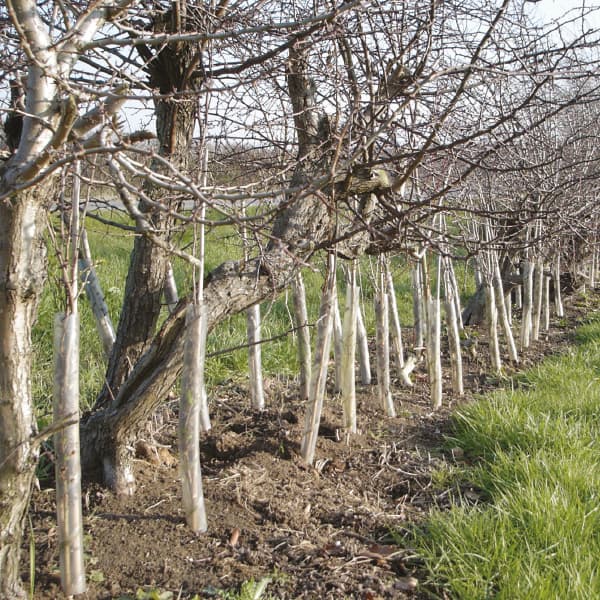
point(339, 529)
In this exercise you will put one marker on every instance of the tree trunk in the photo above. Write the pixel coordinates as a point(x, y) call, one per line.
point(171, 294)
point(382, 336)
point(319, 378)
point(453, 330)
point(492, 324)
point(434, 361)
point(190, 409)
point(66, 445)
point(546, 303)
point(417, 287)
point(257, 394)
point(108, 434)
point(348, 379)
point(149, 264)
point(22, 277)
point(538, 292)
point(364, 360)
point(504, 314)
point(527, 313)
point(560, 311)
point(337, 342)
point(94, 294)
point(396, 331)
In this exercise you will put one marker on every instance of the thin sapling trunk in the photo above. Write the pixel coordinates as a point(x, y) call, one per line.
point(94, 294)
point(527, 304)
point(453, 329)
point(257, 394)
point(364, 360)
point(348, 388)
point(396, 329)
point(558, 305)
point(170, 291)
point(504, 313)
point(66, 410)
point(491, 314)
point(538, 291)
point(321, 360)
point(417, 288)
point(66, 449)
point(303, 333)
point(192, 397)
point(337, 342)
point(382, 340)
point(253, 323)
point(434, 361)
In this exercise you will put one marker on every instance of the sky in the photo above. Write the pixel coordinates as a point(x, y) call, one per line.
point(552, 10)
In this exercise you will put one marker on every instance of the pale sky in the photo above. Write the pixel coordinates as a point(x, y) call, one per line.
point(552, 10)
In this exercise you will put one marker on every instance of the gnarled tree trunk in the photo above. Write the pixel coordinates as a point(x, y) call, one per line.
point(306, 223)
point(22, 277)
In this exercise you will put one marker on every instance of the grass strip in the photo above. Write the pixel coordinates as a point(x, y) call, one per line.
point(533, 455)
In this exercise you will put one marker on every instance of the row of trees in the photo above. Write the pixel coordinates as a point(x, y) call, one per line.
point(350, 127)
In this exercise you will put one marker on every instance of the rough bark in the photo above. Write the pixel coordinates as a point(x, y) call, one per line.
point(474, 311)
point(305, 224)
point(169, 72)
point(22, 277)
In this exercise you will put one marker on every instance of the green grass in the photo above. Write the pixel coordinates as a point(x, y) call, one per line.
point(536, 461)
point(111, 249)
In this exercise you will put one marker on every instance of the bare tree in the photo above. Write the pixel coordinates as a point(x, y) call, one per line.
point(341, 103)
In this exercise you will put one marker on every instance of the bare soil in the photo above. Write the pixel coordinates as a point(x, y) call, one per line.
point(340, 529)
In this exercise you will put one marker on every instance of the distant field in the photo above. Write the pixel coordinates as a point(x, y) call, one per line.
point(111, 248)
